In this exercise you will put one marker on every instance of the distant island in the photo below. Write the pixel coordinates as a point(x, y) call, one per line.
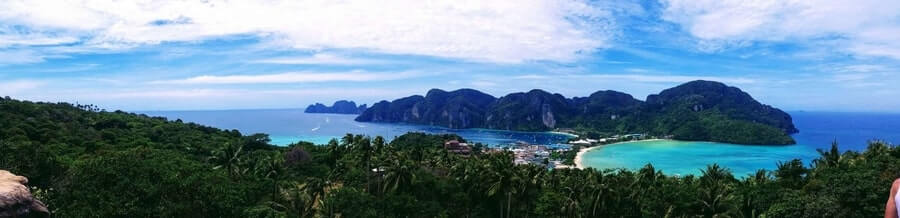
point(696, 111)
point(339, 107)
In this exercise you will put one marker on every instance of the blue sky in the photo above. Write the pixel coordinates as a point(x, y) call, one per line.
point(196, 55)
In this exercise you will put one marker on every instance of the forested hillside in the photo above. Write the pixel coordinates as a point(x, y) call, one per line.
point(84, 162)
point(697, 111)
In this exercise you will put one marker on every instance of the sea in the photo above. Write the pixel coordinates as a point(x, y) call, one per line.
point(818, 130)
point(286, 126)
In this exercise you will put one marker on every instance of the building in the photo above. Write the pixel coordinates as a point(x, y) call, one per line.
point(457, 147)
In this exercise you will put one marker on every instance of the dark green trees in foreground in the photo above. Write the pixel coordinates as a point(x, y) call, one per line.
point(87, 163)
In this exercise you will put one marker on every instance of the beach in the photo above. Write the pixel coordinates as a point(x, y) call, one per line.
point(564, 133)
point(579, 157)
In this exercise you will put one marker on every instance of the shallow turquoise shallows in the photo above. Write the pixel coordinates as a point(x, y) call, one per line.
point(683, 158)
point(817, 131)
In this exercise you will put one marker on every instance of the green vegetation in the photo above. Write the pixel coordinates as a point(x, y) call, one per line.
point(89, 163)
point(696, 111)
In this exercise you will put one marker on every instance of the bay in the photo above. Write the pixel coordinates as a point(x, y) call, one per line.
point(852, 131)
point(286, 126)
point(817, 131)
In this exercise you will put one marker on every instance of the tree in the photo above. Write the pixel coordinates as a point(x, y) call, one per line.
point(501, 181)
point(830, 158)
point(716, 187)
point(400, 174)
point(791, 174)
point(348, 202)
point(229, 157)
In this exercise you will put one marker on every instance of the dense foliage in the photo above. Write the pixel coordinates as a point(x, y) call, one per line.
point(698, 110)
point(90, 163)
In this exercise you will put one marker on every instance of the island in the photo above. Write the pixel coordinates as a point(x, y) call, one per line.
point(695, 111)
point(88, 162)
point(339, 107)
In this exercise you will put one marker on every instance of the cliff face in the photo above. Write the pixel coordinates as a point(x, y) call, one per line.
point(16, 200)
point(339, 107)
point(464, 108)
point(697, 110)
point(535, 110)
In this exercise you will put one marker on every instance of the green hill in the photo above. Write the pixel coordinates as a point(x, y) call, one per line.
point(85, 162)
point(697, 110)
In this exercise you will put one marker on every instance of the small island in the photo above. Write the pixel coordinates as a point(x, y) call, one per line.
point(693, 111)
point(339, 107)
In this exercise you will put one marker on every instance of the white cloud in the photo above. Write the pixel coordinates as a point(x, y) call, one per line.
point(8, 88)
point(483, 83)
point(672, 78)
point(33, 39)
point(491, 31)
point(292, 77)
point(531, 77)
point(865, 27)
point(320, 58)
point(865, 76)
point(19, 57)
point(223, 98)
point(637, 78)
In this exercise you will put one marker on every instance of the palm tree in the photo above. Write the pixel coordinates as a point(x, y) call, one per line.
point(378, 143)
point(830, 158)
point(791, 174)
point(751, 197)
point(646, 185)
point(502, 180)
point(876, 148)
point(334, 152)
point(717, 184)
point(271, 167)
point(347, 140)
point(531, 179)
point(598, 188)
point(365, 150)
point(470, 174)
point(229, 157)
point(297, 200)
point(302, 199)
point(400, 174)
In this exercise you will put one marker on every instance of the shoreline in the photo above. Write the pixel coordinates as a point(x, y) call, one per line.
point(580, 156)
point(564, 133)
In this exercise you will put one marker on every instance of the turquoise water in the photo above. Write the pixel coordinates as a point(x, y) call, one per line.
point(682, 158)
point(817, 131)
point(286, 126)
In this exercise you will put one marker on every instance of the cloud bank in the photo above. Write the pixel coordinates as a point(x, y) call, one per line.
point(482, 31)
point(862, 27)
point(292, 77)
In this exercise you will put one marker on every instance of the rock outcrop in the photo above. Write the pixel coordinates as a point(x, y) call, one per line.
point(339, 107)
point(16, 200)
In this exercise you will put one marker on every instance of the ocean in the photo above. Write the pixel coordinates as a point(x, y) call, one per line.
point(286, 126)
point(817, 131)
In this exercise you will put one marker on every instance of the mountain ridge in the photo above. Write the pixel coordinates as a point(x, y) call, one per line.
point(698, 110)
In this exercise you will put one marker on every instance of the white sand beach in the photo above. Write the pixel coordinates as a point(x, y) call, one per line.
point(580, 156)
point(564, 133)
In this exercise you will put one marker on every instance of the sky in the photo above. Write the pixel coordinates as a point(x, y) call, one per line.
point(145, 55)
